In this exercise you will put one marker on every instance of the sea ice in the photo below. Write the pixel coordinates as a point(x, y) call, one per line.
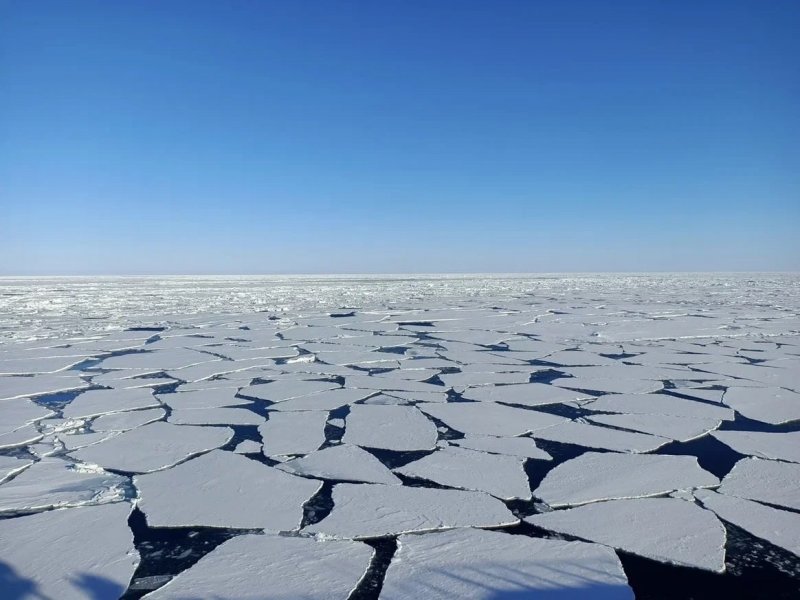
point(500, 475)
point(779, 527)
point(223, 489)
point(766, 404)
point(774, 445)
point(153, 447)
point(293, 432)
point(489, 418)
point(286, 389)
point(681, 429)
point(597, 476)
point(659, 404)
point(52, 483)
point(664, 529)
point(769, 481)
point(374, 510)
point(390, 427)
point(215, 416)
point(526, 394)
point(472, 564)
point(69, 554)
point(102, 402)
point(343, 463)
point(523, 447)
point(124, 421)
point(605, 438)
point(297, 568)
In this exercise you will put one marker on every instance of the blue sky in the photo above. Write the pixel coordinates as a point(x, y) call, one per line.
point(161, 137)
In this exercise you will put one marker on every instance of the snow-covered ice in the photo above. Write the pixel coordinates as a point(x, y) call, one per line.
point(70, 554)
point(342, 463)
point(389, 428)
point(484, 565)
point(223, 489)
point(664, 529)
point(497, 474)
point(597, 476)
point(153, 447)
point(295, 568)
point(374, 510)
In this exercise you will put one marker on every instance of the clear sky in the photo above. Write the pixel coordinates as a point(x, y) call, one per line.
point(168, 136)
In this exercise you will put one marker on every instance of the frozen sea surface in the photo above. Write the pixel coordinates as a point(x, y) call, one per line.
point(371, 437)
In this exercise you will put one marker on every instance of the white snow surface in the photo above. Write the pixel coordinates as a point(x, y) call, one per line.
point(70, 554)
point(664, 529)
point(373, 510)
point(473, 564)
point(298, 568)
point(224, 489)
point(597, 476)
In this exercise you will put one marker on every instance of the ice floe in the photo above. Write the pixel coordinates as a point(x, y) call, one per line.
point(774, 445)
point(374, 510)
point(297, 568)
point(152, 447)
point(488, 418)
point(224, 489)
point(681, 429)
point(593, 436)
point(527, 394)
point(770, 481)
point(102, 402)
point(69, 554)
point(390, 428)
point(767, 404)
point(779, 527)
point(597, 476)
point(497, 474)
point(341, 463)
point(664, 529)
point(53, 483)
point(484, 565)
point(524, 447)
point(293, 432)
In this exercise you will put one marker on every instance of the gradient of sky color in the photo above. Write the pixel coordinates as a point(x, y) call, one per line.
point(172, 136)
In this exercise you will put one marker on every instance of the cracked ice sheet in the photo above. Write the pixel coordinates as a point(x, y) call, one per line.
point(327, 400)
point(293, 432)
point(500, 475)
point(152, 447)
point(779, 527)
point(659, 404)
point(11, 465)
point(776, 446)
point(766, 404)
point(472, 564)
point(609, 386)
point(677, 428)
point(767, 481)
point(523, 447)
point(223, 489)
point(20, 412)
point(286, 389)
point(342, 463)
point(484, 418)
point(209, 398)
point(374, 510)
point(597, 476)
point(37, 365)
point(215, 416)
point(53, 483)
point(298, 568)
point(101, 402)
point(158, 360)
point(124, 421)
point(593, 436)
point(664, 529)
point(70, 554)
point(39, 385)
point(526, 394)
point(390, 428)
